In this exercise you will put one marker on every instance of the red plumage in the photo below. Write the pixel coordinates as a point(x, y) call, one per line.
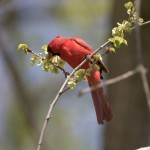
point(74, 50)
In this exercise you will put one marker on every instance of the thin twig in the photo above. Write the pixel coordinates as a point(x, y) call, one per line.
point(107, 51)
point(109, 82)
point(139, 57)
point(38, 55)
point(64, 90)
point(48, 116)
point(144, 148)
point(141, 25)
point(63, 70)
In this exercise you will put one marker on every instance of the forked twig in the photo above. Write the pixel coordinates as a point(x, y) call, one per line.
point(109, 82)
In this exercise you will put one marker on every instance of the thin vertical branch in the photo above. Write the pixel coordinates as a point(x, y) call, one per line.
point(141, 67)
point(137, 34)
point(142, 70)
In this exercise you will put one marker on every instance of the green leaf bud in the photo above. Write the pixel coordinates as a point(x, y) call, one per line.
point(23, 47)
point(44, 49)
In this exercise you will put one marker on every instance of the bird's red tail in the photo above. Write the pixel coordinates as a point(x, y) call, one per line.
point(102, 107)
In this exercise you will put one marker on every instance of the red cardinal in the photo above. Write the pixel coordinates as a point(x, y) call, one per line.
point(74, 50)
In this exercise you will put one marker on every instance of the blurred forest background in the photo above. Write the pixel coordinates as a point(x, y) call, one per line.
point(26, 91)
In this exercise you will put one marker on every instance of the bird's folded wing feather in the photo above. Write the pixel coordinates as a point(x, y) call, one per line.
point(90, 49)
point(82, 44)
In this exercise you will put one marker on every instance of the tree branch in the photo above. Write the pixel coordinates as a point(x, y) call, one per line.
point(144, 148)
point(139, 56)
point(38, 55)
point(143, 72)
point(109, 82)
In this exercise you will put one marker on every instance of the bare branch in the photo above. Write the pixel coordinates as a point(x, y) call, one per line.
point(38, 55)
point(107, 51)
point(137, 34)
point(109, 82)
point(144, 148)
point(143, 24)
point(48, 116)
point(143, 72)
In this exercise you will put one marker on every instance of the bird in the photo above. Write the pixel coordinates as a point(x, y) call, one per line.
point(74, 50)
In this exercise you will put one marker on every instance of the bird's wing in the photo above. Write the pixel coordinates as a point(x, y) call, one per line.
point(90, 49)
point(82, 43)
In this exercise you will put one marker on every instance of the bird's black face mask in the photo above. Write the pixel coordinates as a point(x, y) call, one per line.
point(49, 50)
